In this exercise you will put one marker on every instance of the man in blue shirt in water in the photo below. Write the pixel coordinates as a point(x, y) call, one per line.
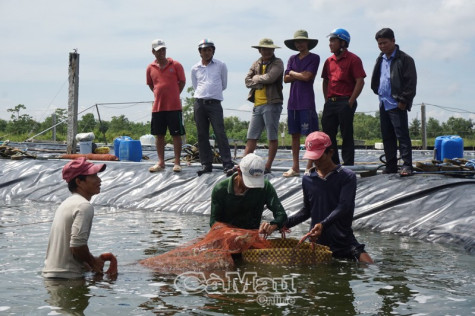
point(329, 200)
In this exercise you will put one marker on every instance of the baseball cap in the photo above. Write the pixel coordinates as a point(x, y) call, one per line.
point(158, 44)
point(81, 166)
point(315, 145)
point(252, 168)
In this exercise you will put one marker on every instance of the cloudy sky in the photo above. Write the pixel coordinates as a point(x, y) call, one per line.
point(114, 38)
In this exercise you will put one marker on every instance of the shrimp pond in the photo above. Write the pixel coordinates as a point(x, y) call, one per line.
point(410, 276)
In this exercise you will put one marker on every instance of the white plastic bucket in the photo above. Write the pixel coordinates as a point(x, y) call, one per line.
point(85, 147)
point(147, 140)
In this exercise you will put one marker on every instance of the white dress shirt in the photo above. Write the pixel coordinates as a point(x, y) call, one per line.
point(209, 81)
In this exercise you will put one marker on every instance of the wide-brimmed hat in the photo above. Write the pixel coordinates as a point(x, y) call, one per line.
point(81, 166)
point(298, 36)
point(315, 145)
point(252, 168)
point(265, 43)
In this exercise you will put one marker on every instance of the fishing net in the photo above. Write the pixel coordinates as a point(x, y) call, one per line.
point(210, 252)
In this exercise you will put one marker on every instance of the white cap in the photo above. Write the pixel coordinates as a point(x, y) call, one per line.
point(252, 168)
point(158, 44)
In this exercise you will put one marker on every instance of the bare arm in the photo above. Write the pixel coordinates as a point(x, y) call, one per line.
point(181, 85)
point(83, 255)
point(267, 228)
point(325, 89)
point(356, 91)
point(316, 231)
point(302, 76)
point(288, 78)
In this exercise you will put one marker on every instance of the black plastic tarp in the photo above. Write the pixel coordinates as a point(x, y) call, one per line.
point(435, 208)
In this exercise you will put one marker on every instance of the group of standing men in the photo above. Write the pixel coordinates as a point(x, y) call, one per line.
point(394, 81)
point(166, 78)
point(329, 190)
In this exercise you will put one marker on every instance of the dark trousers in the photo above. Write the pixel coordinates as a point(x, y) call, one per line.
point(206, 112)
point(394, 128)
point(339, 114)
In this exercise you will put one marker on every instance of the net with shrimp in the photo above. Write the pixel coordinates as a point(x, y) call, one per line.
point(210, 252)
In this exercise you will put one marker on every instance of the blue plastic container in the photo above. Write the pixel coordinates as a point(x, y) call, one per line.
point(130, 150)
point(117, 144)
point(449, 146)
point(438, 147)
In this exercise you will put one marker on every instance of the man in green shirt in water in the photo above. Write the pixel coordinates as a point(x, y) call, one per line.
point(240, 199)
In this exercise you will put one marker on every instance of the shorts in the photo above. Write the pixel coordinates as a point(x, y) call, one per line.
point(302, 122)
point(171, 119)
point(268, 116)
point(351, 253)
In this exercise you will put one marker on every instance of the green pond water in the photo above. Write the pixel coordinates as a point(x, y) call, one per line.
point(410, 277)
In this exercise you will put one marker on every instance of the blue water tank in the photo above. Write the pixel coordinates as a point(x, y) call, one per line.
point(438, 147)
point(135, 150)
point(130, 150)
point(448, 146)
point(117, 144)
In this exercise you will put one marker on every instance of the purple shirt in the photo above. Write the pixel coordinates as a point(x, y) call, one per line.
point(302, 96)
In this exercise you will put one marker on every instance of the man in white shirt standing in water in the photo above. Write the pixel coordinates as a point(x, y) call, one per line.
point(68, 255)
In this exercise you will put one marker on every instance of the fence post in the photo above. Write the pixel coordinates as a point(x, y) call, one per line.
point(73, 101)
point(423, 126)
point(53, 120)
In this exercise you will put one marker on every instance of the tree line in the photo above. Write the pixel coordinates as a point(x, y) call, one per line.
point(22, 126)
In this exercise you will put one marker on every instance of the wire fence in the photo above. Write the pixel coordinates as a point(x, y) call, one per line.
point(142, 115)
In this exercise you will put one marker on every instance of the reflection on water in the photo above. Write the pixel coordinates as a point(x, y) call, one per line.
point(71, 296)
point(410, 277)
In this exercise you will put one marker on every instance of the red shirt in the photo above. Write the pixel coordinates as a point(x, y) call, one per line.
point(342, 74)
point(165, 85)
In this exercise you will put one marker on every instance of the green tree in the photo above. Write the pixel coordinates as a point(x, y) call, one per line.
point(21, 123)
point(119, 124)
point(3, 125)
point(458, 126)
point(434, 128)
point(139, 129)
point(16, 111)
point(101, 129)
point(87, 123)
point(188, 106)
point(188, 117)
point(366, 127)
point(237, 129)
point(415, 128)
point(61, 115)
